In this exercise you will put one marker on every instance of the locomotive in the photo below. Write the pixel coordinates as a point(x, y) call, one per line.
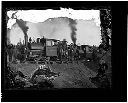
point(42, 48)
point(56, 49)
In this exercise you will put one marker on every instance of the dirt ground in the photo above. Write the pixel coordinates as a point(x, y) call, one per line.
point(72, 75)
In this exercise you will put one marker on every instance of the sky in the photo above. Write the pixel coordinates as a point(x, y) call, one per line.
point(55, 24)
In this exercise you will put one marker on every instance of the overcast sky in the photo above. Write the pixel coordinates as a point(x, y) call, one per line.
point(88, 25)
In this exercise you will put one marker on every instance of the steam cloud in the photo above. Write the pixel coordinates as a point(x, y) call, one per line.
point(72, 24)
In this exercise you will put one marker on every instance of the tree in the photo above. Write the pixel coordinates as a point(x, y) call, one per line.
point(106, 27)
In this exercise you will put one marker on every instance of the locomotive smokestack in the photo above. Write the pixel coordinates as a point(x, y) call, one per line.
point(72, 24)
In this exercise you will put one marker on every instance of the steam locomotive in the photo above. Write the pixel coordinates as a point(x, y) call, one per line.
point(42, 48)
point(55, 49)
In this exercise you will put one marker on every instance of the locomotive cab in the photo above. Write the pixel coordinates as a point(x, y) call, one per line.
point(51, 48)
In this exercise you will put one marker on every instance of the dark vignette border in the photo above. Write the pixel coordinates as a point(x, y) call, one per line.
point(118, 91)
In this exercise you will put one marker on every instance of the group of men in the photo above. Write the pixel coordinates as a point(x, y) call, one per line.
point(68, 52)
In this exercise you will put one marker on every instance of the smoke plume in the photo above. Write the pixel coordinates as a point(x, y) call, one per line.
point(22, 25)
point(24, 28)
point(72, 24)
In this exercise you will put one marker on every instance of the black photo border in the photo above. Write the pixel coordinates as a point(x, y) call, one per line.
point(118, 92)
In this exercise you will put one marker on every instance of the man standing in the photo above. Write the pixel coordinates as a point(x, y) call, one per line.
point(102, 68)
